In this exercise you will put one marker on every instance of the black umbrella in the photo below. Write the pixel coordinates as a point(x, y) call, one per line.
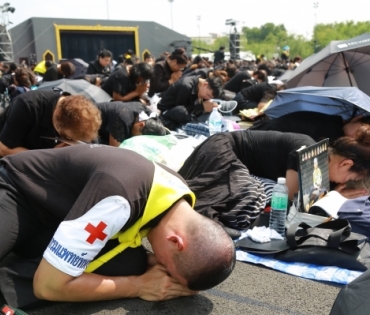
point(82, 87)
point(347, 102)
point(341, 63)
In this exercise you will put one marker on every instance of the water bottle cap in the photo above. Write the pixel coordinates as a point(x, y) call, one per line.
point(281, 180)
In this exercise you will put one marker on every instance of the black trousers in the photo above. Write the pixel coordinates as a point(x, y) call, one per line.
point(175, 117)
point(23, 233)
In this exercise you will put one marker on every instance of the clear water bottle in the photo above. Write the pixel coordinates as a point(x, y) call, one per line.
point(215, 122)
point(279, 206)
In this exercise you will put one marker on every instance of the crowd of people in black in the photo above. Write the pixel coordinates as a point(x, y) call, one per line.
point(97, 188)
point(185, 86)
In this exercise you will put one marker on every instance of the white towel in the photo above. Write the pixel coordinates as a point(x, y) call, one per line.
point(262, 234)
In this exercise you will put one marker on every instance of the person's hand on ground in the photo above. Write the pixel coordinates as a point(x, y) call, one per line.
point(208, 106)
point(157, 285)
point(351, 193)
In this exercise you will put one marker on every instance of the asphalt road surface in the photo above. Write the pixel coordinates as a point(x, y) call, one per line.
point(250, 289)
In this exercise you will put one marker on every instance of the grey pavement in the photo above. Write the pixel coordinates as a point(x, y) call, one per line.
point(250, 289)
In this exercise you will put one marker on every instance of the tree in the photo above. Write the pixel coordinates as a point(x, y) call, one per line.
point(270, 38)
point(221, 41)
point(325, 33)
point(200, 47)
point(259, 35)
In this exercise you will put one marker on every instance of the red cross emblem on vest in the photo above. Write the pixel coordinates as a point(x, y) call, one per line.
point(96, 232)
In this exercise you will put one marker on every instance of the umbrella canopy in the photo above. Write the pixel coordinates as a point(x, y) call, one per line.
point(347, 102)
point(286, 76)
point(341, 63)
point(81, 87)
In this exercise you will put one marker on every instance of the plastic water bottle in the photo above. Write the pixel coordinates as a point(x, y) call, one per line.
point(215, 122)
point(279, 206)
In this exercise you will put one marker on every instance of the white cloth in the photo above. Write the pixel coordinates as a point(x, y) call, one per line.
point(262, 234)
point(143, 116)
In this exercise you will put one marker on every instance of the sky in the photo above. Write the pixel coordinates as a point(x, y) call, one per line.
point(200, 17)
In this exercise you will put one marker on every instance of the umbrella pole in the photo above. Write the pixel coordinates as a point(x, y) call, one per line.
point(354, 112)
point(347, 69)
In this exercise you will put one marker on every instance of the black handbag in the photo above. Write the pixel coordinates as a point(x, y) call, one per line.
point(329, 244)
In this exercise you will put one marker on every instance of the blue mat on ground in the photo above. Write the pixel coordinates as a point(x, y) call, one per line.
point(308, 271)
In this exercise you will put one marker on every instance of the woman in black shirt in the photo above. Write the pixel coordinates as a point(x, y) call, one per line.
point(219, 171)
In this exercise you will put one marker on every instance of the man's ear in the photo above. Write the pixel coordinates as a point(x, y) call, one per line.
point(137, 127)
point(177, 241)
point(141, 124)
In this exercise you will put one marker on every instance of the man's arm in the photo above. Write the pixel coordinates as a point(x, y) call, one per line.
point(58, 279)
point(4, 150)
point(125, 98)
point(155, 285)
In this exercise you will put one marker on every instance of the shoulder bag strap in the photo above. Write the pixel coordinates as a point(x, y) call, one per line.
point(290, 234)
point(342, 229)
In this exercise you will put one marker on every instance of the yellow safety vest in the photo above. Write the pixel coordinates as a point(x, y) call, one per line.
point(166, 190)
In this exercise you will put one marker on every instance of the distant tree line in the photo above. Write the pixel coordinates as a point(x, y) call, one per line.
point(269, 39)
